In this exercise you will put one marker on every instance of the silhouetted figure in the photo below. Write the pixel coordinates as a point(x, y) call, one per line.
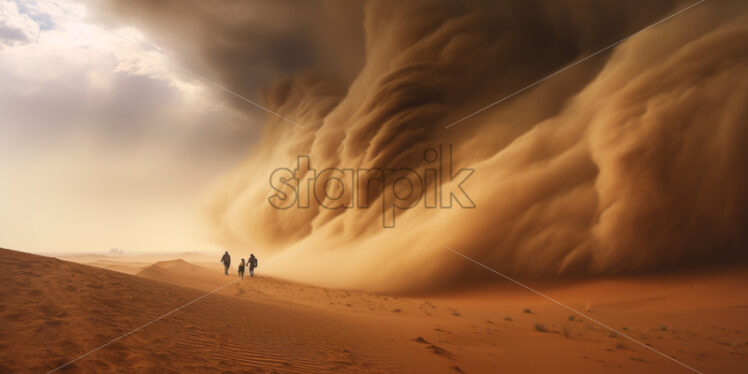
point(226, 261)
point(241, 269)
point(252, 264)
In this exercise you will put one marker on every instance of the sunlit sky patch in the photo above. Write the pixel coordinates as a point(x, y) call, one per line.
point(103, 141)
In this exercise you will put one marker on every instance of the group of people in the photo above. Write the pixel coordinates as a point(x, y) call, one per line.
point(251, 264)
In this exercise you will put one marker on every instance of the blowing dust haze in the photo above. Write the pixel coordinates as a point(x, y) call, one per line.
point(631, 161)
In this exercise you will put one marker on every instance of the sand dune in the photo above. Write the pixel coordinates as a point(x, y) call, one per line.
point(52, 311)
point(182, 273)
point(133, 263)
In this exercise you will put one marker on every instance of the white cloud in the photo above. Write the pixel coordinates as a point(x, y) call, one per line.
point(15, 27)
point(93, 123)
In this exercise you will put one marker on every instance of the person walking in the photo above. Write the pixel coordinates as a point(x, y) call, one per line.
point(241, 269)
point(226, 261)
point(252, 264)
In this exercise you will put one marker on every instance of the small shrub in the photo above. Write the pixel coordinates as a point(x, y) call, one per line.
point(540, 328)
point(527, 310)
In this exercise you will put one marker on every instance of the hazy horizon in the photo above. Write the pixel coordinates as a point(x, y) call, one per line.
point(158, 128)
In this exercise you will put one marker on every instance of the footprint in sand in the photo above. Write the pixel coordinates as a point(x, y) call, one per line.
point(434, 348)
point(440, 351)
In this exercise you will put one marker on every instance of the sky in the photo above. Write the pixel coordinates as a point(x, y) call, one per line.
point(104, 142)
point(131, 124)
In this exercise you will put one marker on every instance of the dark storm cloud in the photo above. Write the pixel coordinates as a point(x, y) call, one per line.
point(248, 45)
point(630, 162)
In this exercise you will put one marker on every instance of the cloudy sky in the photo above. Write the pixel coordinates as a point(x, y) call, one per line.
point(103, 141)
point(128, 124)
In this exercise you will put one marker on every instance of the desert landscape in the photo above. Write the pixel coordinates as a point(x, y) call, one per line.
point(424, 186)
point(53, 311)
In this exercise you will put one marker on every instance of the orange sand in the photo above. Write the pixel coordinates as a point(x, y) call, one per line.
point(52, 311)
